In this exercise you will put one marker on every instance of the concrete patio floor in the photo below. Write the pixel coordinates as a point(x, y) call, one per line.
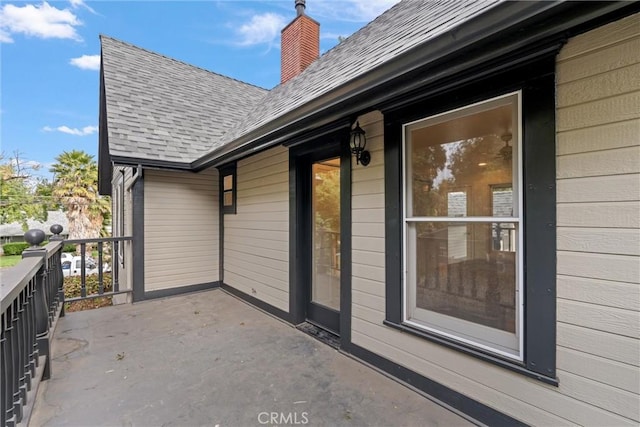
point(209, 359)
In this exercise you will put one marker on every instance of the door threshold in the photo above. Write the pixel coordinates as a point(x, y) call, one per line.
point(327, 337)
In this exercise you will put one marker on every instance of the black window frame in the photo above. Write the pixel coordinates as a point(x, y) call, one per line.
point(536, 81)
point(226, 171)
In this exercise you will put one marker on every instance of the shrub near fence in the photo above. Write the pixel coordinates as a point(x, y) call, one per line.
point(15, 248)
point(33, 298)
point(73, 289)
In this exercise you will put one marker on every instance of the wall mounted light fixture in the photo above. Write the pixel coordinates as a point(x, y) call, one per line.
point(357, 144)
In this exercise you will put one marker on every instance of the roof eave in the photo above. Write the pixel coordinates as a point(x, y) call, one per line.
point(351, 96)
point(151, 163)
point(105, 170)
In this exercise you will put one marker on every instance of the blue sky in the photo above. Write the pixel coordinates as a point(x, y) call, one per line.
point(49, 56)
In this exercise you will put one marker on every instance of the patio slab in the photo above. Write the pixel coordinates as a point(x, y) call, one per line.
point(209, 359)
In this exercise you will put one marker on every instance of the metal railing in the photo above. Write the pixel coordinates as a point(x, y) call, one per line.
point(33, 298)
point(32, 301)
point(103, 265)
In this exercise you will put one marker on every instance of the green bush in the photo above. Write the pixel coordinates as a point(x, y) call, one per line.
point(15, 248)
point(72, 289)
point(65, 248)
point(73, 285)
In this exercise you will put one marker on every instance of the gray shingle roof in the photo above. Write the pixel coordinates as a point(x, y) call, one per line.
point(162, 109)
point(401, 28)
point(53, 217)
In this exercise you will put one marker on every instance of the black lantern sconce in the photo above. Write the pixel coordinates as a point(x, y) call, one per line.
point(357, 143)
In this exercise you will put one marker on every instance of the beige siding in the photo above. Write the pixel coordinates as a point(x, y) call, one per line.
point(181, 228)
point(367, 210)
point(256, 238)
point(598, 98)
point(598, 257)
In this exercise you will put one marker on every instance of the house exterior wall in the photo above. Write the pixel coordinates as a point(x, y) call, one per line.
point(181, 228)
point(256, 238)
point(367, 227)
point(598, 165)
point(598, 234)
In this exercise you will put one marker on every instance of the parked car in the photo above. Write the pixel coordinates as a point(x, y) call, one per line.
point(72, 266)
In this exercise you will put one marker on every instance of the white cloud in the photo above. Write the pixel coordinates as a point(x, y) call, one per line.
point(333, 36)
point(5, 37)
point(86, 62)
point(42, 21)
point(24, 164)
point(261, 29)
point(350, 10)
point(87, 130)
point(80, 3)
point(370, 9)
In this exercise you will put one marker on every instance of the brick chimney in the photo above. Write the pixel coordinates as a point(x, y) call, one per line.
point(300, 41)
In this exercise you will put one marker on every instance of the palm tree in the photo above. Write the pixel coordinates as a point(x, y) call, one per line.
point(75, 185)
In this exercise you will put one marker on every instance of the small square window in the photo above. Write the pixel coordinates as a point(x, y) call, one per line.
point(228, 189)
point(228, 182)
point(228, 198)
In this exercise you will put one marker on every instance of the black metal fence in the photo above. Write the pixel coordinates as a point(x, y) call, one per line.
point(32, 301)
point(99, 265)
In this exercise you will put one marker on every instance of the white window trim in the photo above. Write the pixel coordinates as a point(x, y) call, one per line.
point(118, 213)
point(519, 220)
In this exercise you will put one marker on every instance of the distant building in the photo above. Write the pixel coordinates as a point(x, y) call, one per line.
point(13, 232)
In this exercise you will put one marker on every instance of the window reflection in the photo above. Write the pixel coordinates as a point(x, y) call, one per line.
point(503, 234)
point(325, 289)
point(457, 203)
point(459, 274)
point(462, 225)
point(461, 153)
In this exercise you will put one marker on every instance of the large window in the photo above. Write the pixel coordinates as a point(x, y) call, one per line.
point(462, 225)
point(470, 210)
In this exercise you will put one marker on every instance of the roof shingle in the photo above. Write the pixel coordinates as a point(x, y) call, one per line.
point(163, 109)
point(398, 30)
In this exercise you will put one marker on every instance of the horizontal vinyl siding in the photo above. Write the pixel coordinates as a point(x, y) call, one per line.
point(367, 213)
point(256, 238)
point(181, 228)
point(598, 98)
point(486, 383)
point(598, 350)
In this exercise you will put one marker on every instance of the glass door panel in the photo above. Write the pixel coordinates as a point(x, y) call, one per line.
point(325, 234)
